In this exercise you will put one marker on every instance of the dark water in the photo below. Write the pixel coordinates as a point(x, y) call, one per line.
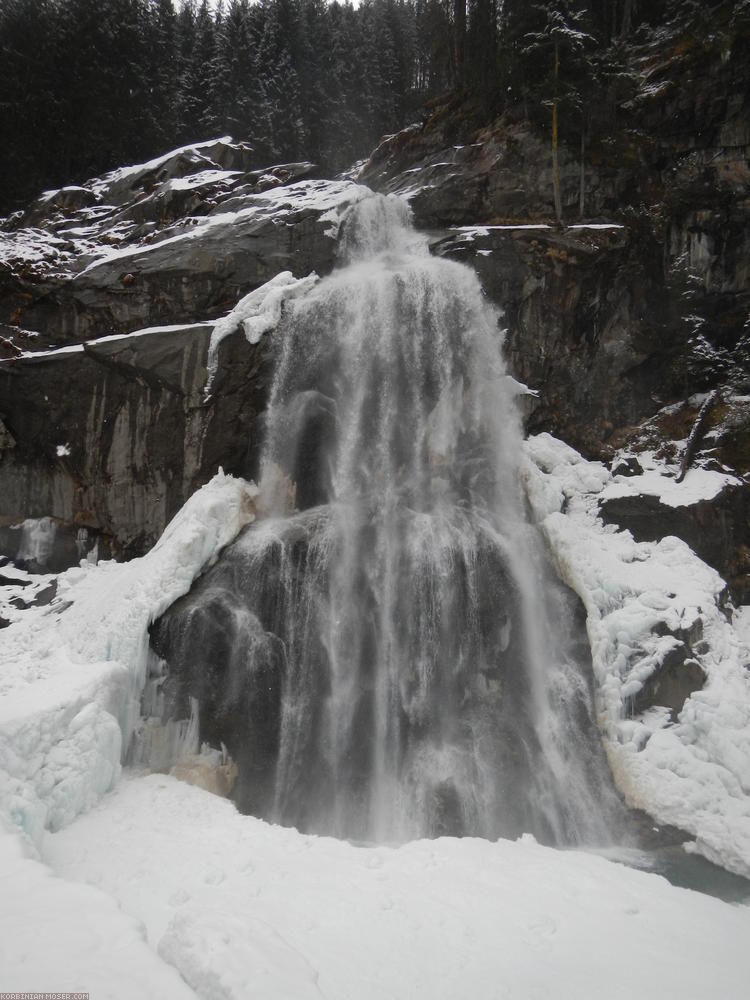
point(687, 870)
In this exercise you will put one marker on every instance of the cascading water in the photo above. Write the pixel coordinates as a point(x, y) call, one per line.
point(383, 652)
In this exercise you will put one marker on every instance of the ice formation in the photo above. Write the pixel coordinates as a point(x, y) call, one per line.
point(256, 313)
point(71, 673)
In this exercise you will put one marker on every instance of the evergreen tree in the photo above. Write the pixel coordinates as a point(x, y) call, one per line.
point(200, 116)
point(560, 42)
point(280, 82)
point(481, 71)
point(163, 68)
point(433, 59)
point(237, 96)
point(29, 98)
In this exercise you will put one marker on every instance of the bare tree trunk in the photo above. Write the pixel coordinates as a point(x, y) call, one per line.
point(582, 189)
point(627, 13)
point(555, 163)
point(459, 39)
point(696, 434)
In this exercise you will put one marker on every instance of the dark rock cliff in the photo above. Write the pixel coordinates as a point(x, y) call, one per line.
point(609, 325)
point(128, 434)
point(107, 296)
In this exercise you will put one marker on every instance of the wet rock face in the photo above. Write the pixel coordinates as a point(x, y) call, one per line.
point(115, 436)
point(248, 644)
point(584, 322)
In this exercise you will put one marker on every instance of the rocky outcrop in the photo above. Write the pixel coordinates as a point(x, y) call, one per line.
point(676, 675)
point(581, 312)
point(710, 508)
point(173, 241)
point(108, 294)
point(716, 529)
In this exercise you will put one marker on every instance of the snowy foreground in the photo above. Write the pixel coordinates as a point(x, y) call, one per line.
point(146, 886)
point(249, 911)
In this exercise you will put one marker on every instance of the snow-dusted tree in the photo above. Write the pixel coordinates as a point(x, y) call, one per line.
point(200, 116)
point(560, 39)
point(238, 96)
point(481, 70)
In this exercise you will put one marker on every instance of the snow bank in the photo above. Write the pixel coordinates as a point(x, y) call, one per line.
point(18, 589)
point(257, 313)
point(694, 772)
point(658, 480)
point(71, 673)
point(248, 911)
point(57, 935)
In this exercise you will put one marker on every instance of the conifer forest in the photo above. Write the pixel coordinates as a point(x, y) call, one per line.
point(88, 86)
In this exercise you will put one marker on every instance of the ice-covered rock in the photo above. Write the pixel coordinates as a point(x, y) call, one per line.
point(672, 674)
point(71, 673)
point(655, 491)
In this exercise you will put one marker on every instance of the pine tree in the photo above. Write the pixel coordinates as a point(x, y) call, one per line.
point(163, 70)
point(314, 43)
point(560, 42)
point(280, 82)
point(481, 43)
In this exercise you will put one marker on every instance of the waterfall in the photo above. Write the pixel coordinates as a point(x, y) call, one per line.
point(385, 652)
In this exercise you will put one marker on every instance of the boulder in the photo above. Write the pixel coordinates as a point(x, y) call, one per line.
point(716, 529)
point(670, 685)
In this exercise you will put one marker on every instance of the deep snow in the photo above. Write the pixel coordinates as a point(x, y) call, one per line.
point(249, 911)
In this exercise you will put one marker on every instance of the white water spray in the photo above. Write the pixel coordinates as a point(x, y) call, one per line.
point(389, 657)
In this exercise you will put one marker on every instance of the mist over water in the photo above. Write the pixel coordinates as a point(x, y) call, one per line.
point(385, 653)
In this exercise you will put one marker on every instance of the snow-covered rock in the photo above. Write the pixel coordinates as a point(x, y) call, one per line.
point(686, 763)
